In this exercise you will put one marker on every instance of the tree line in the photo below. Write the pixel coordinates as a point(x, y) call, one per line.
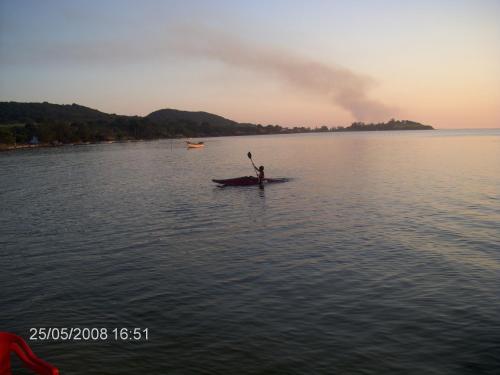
point(22, 123)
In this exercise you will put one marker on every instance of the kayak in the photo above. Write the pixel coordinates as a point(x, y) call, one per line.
point(247, 181)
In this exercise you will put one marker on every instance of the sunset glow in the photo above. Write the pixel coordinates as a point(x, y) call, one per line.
point(282, 62)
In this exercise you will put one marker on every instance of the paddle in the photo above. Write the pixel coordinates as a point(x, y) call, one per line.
point(255, 168)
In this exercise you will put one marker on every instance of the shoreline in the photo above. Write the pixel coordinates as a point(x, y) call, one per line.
point(48, 145)
point(23, 146)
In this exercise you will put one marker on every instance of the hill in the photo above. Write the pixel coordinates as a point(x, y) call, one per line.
point(46, 123)
point(390, 125)
point(201, 123)
point(168, 115)
point(14, 112)
point(55, 124)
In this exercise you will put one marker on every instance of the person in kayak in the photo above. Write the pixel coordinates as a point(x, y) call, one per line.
point(260, 173)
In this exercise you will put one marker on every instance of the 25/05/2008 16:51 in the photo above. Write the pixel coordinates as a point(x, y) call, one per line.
point(89, 334)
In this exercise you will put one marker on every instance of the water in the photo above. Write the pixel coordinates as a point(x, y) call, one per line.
point(380, 256)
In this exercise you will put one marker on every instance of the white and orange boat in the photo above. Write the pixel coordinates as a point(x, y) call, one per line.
point(195, 145)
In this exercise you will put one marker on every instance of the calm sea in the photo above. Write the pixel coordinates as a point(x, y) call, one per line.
point(381, 255)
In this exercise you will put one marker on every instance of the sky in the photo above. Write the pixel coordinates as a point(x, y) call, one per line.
point(292, 63)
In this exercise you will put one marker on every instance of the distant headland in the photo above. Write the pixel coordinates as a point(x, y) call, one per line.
point(32, 124)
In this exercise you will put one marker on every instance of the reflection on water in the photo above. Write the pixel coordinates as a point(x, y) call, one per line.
point(379, 256)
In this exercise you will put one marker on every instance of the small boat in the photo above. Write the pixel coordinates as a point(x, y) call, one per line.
point(247, 181)
point(194, 145)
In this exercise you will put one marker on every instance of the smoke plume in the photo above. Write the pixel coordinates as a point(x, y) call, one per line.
point(343, 87)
